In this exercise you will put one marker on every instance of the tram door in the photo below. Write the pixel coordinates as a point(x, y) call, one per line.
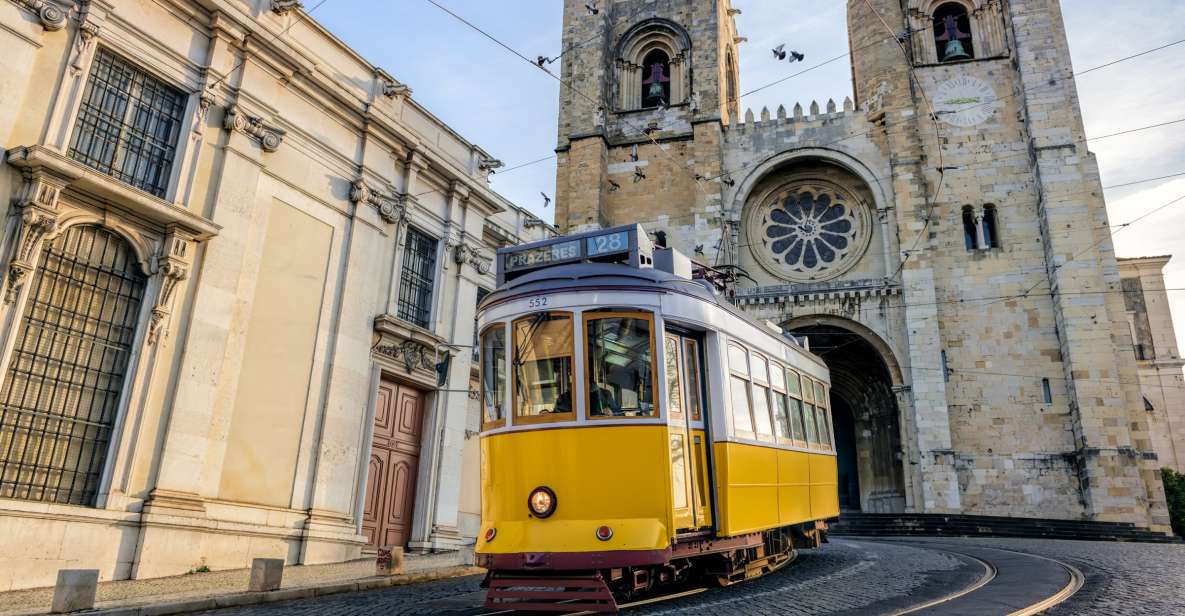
point(684, 380)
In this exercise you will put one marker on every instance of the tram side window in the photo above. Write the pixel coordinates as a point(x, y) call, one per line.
point(738, 364)
point(620, 365)
point(821, 415)
point(543, 384)
point(761, 399)
point(493, 374)
point(794, 390)
point(777, 378)
point(808, 411)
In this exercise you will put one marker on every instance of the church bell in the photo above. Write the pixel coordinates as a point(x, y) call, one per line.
point(955, 51)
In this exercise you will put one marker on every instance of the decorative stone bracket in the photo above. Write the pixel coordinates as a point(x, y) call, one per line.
point(487, 165)
point(199, 115)
point(83, 44)
point(392, 208)
point(281, 7)
point(463, 253)
point(173, 267)
point(52, 16)
point(269, 137)
point(37, 216)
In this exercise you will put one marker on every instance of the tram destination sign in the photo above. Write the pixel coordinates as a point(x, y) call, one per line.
point(627, 244)
point(543, 255)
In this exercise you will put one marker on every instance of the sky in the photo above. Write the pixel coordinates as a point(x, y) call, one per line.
point(508, 107)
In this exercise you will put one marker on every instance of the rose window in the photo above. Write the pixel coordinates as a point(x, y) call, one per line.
point(810, 232)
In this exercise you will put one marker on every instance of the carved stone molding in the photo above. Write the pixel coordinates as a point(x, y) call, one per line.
point(281, 7)
point(36, 208)
point(52, 16)
point(464, 253)
point(269, 137)
point(406, 350)
point(392, 208)
point(173, 268)
point(83, 44)
point(413, 355)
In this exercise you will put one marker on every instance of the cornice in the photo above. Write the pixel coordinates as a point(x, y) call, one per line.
point(106, 188)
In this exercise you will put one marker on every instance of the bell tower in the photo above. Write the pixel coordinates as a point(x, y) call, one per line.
point(649, 87)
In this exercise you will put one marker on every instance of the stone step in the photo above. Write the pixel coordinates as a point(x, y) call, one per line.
point(873, 524)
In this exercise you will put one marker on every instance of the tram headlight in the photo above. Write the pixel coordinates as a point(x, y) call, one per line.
point(541, 502)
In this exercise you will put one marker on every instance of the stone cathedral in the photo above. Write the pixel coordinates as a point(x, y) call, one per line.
point(940, 238)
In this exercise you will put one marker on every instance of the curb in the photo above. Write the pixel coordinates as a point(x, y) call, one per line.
point(241, 599)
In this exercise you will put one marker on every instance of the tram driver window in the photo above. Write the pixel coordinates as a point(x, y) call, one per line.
point(493, 374)
point(543, 385)
point(620, 365)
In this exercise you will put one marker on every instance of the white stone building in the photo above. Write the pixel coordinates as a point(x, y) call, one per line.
point(236, 254)
point(1154, 345)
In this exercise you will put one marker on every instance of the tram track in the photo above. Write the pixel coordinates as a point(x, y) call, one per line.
point(1012, 583)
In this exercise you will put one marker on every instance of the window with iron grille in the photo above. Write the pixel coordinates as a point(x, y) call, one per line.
point(128, 124)
point(61, 392)
point(417, 278)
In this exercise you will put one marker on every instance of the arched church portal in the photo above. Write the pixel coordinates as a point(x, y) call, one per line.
point(865, 413)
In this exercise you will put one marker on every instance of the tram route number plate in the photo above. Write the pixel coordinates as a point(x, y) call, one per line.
point(537, 302)
point(544, 255)
point(608, 243)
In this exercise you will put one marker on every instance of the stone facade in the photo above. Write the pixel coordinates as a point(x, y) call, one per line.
point(1157, 355)
point(253, 190)
point(913, 234)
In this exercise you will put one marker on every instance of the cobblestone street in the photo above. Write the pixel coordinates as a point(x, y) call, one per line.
point(857, 576)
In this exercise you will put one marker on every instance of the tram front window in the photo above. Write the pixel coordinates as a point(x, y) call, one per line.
point(620, 365)
point(543, 383)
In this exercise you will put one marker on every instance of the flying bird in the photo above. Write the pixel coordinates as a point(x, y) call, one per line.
point(638, 175)
point(592, 8)
point(546, 199)
point(796, 57)
point(780, 52)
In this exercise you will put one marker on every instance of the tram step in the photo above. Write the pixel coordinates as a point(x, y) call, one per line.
point(549, 593)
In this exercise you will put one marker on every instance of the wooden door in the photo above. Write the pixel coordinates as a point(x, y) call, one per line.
point(394, 463)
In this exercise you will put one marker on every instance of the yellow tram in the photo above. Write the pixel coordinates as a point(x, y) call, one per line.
point(638, 429)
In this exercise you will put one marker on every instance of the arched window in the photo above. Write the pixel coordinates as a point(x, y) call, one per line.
point(656, 79)
point(653, 65)
point(61, 392)
point(991, 236)
point(970, 233)
point(952, 33)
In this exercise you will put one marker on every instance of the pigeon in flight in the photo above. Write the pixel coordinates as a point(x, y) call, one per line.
point(780, 52)
point(638, 175)
point(546, 199)
point(796, 57)
point(592, 7)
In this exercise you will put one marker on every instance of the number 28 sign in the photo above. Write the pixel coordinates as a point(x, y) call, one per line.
point(607, 244)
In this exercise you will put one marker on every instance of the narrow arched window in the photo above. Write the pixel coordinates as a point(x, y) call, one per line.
point(991, 235)
point(61, 392)
point(656, 79)
point(970, 233)
point(952, 33)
